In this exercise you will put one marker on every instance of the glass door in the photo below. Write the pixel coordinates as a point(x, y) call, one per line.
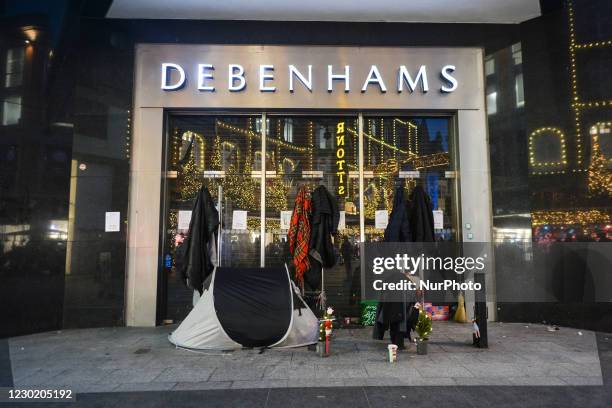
point(221, 153)
point(306, 152)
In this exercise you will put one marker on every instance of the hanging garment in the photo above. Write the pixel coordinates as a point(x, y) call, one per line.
point(420, 214)
point(392, 315)
point(324, 222)
point(299, 234)
point(199, 253)
point(398, 229)
point(325, 218)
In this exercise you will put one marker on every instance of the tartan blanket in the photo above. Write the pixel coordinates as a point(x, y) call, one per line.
point(299, 234)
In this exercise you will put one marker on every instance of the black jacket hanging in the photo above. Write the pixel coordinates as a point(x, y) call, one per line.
point(398, 229)
point(324, 223)
point(197, 262)
point(420, 213)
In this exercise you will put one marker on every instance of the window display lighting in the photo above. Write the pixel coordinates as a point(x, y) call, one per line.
point(600, 177)
point(574, 217)
point(187, 136)
point(544, 130)
point(272, 140)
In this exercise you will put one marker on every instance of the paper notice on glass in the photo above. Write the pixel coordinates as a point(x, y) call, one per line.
point(184, 218)
point(239, 220)
point(112, 222)
point(342, 221)
point(438, 218)
point(381, 219)
point(285, 219)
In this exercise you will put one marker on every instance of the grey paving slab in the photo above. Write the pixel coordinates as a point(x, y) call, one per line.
point(266, 383)
point(393, 381)
point(340, 371)
point(385, 370)
point(499, 370)
point(548, 356)
point(315, 382)
point(582, 380)
point(134, 375)
point(83, 376)
point(477, 381)
point(429, 381)
point(202, 385)
point(150, 386)
point(583, 357)
point(118, 363)
point(540, 381)
point(40, 376)
point(185, 374)
point(290, 371)
point(583, 370)
point(238, 373)
point(542, 369)
point(438, 370)
point(79, 387)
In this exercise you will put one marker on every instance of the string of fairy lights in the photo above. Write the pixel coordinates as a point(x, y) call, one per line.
point(599, 175)
point(575, 217)
point(577, 107)
point(532, 150)
point(243, 189)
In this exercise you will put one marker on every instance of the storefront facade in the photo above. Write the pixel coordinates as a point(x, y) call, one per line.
point(109, 108)
point(265, 112)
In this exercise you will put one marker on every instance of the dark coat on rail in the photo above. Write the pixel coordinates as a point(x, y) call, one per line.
point(420, 213)
point(398, 229)
point(197, 263)
point(324, 223)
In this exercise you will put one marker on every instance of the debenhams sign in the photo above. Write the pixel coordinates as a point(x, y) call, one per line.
point(304, 77)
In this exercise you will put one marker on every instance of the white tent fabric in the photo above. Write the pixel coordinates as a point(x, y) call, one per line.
point(303, 321)
point(202, 329)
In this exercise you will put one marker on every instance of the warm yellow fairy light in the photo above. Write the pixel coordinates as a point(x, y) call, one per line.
point(573, 217)
point(310, 146)
point(269, 139)
point(563, 157)
point(381, 142)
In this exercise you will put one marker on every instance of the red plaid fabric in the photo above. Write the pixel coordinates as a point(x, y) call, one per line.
point(299, 234)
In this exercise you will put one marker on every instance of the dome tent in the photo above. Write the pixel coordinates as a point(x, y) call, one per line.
point(248, 307)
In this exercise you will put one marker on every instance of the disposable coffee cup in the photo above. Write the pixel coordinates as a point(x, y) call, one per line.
point(392, 353)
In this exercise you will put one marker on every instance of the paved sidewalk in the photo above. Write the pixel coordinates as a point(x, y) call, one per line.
point(142, 359)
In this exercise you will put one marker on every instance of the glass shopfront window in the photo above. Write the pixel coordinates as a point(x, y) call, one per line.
point(224, 153)
point(409, 151)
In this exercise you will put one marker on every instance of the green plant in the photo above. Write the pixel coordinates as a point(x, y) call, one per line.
point(423, 326)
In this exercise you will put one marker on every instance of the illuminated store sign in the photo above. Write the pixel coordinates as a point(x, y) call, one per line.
point(308, 77)
point(340, 160)
point(174, 77)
